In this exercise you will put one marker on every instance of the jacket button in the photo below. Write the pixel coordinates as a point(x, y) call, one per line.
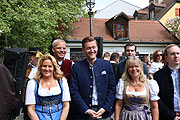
point(90, 86)
point(90, 105)
point(91, 77)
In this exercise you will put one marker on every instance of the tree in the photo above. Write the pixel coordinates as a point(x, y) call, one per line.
point(174, 26)
point(32, 23)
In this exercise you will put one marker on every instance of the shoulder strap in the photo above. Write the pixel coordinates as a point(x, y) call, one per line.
point(147, 88)
point(61, 87)
point(36, 92)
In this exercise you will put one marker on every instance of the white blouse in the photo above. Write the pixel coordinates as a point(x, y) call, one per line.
point(153, 88)
point(30, 96)
point(155, 66)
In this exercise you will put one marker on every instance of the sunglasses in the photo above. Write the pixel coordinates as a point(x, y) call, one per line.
point(159, 55)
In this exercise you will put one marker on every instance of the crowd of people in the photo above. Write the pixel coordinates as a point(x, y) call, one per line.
point(100, 88)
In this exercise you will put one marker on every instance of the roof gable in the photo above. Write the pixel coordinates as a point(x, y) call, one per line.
point(163, 7)
point(115, 8)
point(169, 5)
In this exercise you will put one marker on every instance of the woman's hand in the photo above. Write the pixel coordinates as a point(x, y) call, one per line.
point(118, 107)
point(65, 110)
point(31, 112)
point(155, 110)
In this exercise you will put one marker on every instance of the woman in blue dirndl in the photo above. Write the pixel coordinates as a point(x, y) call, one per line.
point(47, 96)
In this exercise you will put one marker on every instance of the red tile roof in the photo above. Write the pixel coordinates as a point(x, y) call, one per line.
point(148, 30)
point(82, 29)
point(139, 30)
point(159, 5)
point(142, 12)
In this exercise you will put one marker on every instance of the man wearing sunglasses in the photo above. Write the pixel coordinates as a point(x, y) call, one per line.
point(130, 50)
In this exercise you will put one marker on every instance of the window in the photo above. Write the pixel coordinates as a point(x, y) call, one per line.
point(151, 14)
point(120, 30)
point(177, 11)
point(76, 54)
point(120, 27)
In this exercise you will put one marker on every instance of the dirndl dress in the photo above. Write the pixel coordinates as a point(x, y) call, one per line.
point(135, 107)
point(48, 107)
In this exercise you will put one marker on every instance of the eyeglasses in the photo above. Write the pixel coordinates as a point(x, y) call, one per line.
point(159, 55)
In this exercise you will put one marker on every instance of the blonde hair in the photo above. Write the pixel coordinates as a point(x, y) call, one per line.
point(126, 76)
point(57, 73)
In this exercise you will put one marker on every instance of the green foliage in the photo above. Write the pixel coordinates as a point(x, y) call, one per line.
point(174, 26)
point(32, 23)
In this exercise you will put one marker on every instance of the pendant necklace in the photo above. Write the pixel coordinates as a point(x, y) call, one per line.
point(48, 83)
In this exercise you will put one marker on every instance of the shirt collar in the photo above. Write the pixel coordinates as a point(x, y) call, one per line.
point(60, 62)
point(31, 65)
point(94, 62)
point(171, 69)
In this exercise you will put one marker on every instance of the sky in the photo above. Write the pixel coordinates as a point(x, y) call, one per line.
point(100, 4)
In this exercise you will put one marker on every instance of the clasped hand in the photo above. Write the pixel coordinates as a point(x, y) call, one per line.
point(177, 118)
point(96, 115)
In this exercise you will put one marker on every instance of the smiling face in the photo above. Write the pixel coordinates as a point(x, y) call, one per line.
point(134, 70)
point(59, 50)
point(90, 50)
point(47, 68)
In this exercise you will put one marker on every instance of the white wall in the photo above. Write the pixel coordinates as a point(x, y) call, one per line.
point(116, 47)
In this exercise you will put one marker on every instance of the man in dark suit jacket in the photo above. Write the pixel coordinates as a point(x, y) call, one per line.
point(114, 60)
point(7, 94)
point(92, 85)
point(130, 50)
point(168, 80)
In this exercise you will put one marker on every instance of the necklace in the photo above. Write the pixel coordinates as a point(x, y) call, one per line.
point(48, 83)
point(135, 85)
